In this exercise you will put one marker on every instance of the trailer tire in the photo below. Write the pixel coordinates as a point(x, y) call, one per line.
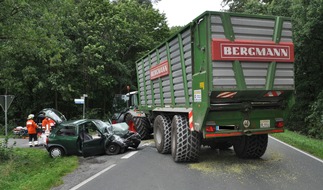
point(142, 127)
point(251, 146)
point(185, 143)
point(162, 134)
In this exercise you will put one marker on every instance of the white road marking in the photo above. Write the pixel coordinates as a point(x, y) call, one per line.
point(307, 154)
point(91, 178)
point(146, 144)
point(129, 155)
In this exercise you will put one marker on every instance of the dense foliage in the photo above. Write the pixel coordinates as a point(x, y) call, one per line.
point(307, 17)
point(52, 52)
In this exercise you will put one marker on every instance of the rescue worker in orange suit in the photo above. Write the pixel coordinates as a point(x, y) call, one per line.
point(32, 130)
point(47, 125)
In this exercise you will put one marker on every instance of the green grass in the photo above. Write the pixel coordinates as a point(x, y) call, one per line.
point(32, 168)
point(312, 146)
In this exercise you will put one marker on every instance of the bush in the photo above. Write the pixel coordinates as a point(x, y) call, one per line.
point(6, 152)
point(10, 127)
point(315, 119)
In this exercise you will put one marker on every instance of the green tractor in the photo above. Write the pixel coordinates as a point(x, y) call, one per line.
point(129, 113)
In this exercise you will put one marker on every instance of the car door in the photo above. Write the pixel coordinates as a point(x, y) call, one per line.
point(92, 139)
point(66, 137)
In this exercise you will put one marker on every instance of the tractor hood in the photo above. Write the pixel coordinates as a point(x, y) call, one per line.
point(55, 115)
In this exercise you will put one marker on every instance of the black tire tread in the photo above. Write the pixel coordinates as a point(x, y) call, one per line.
point(164, 123)
point(142, 126)
point(188, 143)
point(251, 147)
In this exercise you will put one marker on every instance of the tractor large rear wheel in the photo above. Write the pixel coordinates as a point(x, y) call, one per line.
point(251, 146)
point(185, 143)
point(142, 127)
point(162, 134)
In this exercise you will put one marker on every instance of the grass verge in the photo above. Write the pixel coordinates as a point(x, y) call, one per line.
point(312, 146)
point(32, 168)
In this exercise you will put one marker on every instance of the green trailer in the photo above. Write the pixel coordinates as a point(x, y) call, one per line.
point(223, 80)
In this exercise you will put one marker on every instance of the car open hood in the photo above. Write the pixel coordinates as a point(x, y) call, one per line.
point(120, 129)
point(55, 115)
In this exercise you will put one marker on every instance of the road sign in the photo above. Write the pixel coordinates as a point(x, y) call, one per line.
point(5, 101)
point(79, 101)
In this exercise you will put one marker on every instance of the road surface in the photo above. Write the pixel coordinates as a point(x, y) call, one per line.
point(280, 168)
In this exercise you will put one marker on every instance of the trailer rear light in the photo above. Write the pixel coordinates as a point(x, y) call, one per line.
point(114, 121)
point(279, 123)
point(210, 129)
point(273, 93)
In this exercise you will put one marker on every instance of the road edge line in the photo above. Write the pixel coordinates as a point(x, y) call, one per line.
point(91, 178)
point(301, 151)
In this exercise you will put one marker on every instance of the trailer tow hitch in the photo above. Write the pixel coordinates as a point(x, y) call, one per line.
point(247, 132)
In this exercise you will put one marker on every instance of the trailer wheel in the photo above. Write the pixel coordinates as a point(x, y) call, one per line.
point(162, 134)
point(185, 143)
point(251, 146)
point(142, 127)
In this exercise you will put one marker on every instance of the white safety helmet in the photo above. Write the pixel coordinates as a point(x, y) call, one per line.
point(30, 116)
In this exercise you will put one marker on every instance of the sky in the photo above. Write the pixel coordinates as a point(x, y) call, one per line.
point(181, 12)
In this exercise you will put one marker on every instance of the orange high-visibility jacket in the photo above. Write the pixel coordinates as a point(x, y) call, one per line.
point(31, 126)
point(47, 124)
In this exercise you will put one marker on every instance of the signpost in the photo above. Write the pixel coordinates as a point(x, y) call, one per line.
point(81, 101)
point(5, 102)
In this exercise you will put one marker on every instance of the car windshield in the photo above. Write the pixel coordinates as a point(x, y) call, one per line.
point(104, 127)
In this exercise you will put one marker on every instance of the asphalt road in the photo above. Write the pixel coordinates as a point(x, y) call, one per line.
point(280, 168)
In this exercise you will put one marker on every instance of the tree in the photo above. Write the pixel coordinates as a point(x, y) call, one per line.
point(54, 51)
point(307, 20)
point(109, 40)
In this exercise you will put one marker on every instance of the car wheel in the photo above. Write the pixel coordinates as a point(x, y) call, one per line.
point(56, 152)
point(112, 149)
